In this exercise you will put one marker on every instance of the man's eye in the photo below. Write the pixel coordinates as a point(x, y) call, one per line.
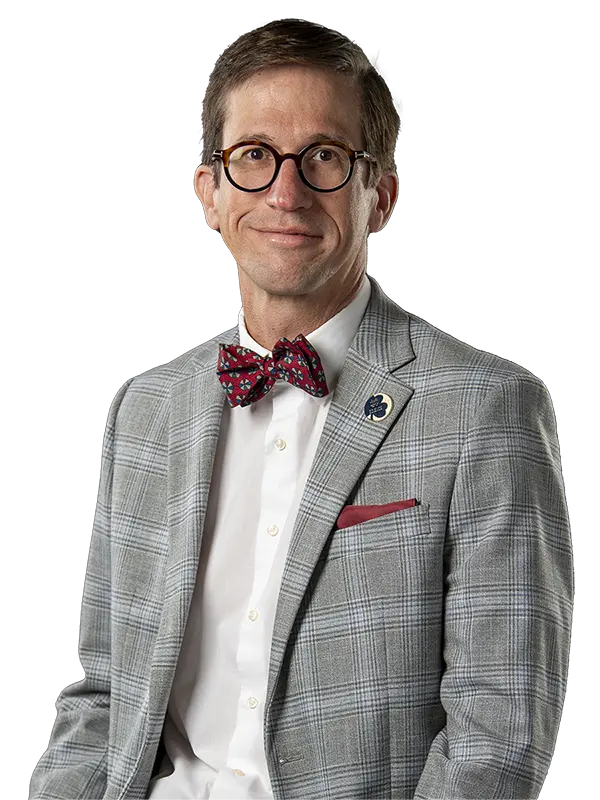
point(324, 155)
point(256, 154)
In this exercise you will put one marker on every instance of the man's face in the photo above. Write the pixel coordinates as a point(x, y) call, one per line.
point(290, 239)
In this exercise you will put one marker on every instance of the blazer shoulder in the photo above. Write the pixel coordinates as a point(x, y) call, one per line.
point(439, 353)
point(164, 376)
point(147, 394)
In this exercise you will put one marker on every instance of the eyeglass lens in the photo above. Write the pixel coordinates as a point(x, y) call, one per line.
point(324, 166)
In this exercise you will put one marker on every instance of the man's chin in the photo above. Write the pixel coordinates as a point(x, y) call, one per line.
point(284, 277)
point(289, 288)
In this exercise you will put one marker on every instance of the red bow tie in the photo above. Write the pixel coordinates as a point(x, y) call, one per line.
point(247, 376)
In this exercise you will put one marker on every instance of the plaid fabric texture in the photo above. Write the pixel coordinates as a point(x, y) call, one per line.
point(419, 654)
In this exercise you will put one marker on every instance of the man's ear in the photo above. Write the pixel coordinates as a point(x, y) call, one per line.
point(207, 192)
point(387, 194)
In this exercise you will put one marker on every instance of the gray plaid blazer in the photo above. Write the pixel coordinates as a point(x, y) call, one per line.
point(420, 654)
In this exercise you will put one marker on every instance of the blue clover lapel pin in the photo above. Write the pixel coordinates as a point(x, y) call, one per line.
point(378, 407)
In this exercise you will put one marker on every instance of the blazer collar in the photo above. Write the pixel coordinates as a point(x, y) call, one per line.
point(383, 337)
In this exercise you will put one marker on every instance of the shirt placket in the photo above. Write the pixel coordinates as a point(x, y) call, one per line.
point(282, 455)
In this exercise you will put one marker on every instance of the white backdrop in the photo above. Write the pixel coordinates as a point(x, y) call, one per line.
point(109, 268)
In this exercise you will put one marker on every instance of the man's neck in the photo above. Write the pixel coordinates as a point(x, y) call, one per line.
point(270, 317)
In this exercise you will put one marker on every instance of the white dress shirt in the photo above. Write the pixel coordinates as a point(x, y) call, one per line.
point(213, 729)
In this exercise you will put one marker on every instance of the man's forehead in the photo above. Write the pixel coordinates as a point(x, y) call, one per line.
point(322, 93)
point(299, 99)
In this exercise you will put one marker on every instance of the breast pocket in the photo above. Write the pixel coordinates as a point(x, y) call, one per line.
point(386, 532)
point(390, 565)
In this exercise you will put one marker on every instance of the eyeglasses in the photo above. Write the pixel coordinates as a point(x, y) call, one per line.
point(252, 165)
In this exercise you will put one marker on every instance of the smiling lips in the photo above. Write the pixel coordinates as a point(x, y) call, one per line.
point(289, 236)
point(288, 231)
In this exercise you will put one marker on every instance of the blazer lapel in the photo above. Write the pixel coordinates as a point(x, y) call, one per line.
point(348, 442)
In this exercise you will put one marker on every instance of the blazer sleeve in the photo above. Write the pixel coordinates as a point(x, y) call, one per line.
point(509, 589)
point(75, 762)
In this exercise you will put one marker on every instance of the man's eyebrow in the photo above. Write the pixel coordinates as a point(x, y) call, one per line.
point(316, 137)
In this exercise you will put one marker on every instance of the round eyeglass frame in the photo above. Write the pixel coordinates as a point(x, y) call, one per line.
point(354, 155)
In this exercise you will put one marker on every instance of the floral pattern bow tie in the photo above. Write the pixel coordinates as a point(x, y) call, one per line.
point(247, 376)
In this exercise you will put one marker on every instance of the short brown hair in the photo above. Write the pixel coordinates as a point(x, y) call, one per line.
point(297, 41)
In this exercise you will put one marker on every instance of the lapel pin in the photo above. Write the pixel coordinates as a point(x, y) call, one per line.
point(378, 407)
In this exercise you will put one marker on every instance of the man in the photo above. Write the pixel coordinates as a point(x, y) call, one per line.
point(331, 555)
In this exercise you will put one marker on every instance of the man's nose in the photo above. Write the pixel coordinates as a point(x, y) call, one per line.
point(288, 186)
point(288, 173)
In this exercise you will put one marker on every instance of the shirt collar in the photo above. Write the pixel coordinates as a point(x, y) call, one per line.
point(331, 340)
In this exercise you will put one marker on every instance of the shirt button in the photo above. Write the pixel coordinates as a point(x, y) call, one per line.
point(280, 444)
point(272, 530)
point(239, 772)
point(252, 702)
point(253, 615)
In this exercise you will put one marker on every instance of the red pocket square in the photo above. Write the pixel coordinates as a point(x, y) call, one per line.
point(352, 515)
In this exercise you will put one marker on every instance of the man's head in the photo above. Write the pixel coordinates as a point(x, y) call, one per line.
point(289, 84)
